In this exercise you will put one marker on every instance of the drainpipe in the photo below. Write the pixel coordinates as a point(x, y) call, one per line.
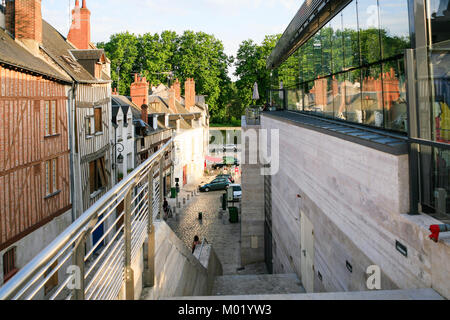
point(437, 229)
point(71, 115)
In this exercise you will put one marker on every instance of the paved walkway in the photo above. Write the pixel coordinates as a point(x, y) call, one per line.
point(257, 284)
point(215, 227)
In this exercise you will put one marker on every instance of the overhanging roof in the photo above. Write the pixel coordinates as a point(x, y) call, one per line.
point(311, 16)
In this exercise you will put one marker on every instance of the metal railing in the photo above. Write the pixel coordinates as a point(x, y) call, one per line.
point(92, 259)
point(205, 241)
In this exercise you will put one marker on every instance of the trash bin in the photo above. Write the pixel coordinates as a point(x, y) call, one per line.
point(173, 193)
point(234, 216)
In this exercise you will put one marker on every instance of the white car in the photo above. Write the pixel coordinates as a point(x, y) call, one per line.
point(237, 191)
point(230, 147)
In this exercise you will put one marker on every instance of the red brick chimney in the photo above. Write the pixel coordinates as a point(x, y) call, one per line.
point(177, 87)
point(80, 31)
point(172, 101)
point(189, 93)
point(139, 91)
point(23, 20)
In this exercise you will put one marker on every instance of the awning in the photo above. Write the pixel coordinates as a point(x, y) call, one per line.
point(212, 159)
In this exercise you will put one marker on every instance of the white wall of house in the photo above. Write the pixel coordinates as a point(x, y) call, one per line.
point(190, 153)
point(124, 134)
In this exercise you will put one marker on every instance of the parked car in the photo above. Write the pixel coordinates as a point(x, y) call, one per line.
point(230, 147)
point(215, 185)
point(219, 165)
point(237, 191)
point(227, 176)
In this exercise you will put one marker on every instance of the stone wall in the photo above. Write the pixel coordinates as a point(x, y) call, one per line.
point(177, 272)
point(357, 198)
point(252, 212)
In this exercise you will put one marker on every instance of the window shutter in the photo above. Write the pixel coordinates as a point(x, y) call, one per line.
point(101, 171)
point(92, 174)
point(98, 119)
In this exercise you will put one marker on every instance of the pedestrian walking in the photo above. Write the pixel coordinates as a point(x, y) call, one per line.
point(195, 243)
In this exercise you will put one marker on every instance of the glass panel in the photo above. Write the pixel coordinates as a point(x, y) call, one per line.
point(295, 100)
point(333, 96)
point(439, 19)
point(435, 186)
point(353, 96)
point(326, 34)
point(440, 74)
point(47, 118)
point(394, 95)
point(372, 96)
point(350, 34)
point(53, 129)
point(54, 166)
point(394, 21)
point(369, 31)
point(317, 45)
point(338, 47)
point(320, 95)
point(308, 60)
point(300, 65)
point(47, 177)
point(339, 101)
point(309, 98)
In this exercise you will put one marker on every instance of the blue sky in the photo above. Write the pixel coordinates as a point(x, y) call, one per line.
point(231, 21)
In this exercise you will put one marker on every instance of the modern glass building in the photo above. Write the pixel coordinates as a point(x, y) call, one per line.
point(383, 65)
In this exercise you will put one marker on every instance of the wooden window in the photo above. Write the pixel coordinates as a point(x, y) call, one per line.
point(88, 126)
point(9, 264)
point(98, 119)
point(97, 175)
point(50, 114)
point(53, 281)
point(51, 177)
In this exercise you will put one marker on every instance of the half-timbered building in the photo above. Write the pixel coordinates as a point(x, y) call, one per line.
point(90, 70)
point(35, 183)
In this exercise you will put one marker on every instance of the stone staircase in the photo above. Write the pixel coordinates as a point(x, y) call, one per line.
point(233, 285)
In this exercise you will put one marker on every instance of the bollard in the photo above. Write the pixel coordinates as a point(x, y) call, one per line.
point(188, 197)
point(178, 204)
point(184, 201)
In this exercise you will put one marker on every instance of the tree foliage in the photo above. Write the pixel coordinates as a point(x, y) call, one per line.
point(190, 55)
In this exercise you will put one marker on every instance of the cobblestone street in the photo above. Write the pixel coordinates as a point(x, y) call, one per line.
point(220, 233)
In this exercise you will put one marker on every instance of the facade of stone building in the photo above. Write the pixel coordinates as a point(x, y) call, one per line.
point(363, 168)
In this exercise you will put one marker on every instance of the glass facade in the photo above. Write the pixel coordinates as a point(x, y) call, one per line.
point(434, 113)
point(352, 69)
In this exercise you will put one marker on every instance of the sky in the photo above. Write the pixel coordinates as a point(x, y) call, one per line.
point(231, 21)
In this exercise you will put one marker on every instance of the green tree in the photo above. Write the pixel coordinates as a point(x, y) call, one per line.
point(251, 67)
point(122, 50)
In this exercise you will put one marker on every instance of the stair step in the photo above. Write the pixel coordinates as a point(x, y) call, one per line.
point(257, 284)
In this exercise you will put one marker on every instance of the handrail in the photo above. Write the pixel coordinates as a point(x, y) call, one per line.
point(84, 225)
point(201, 248)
